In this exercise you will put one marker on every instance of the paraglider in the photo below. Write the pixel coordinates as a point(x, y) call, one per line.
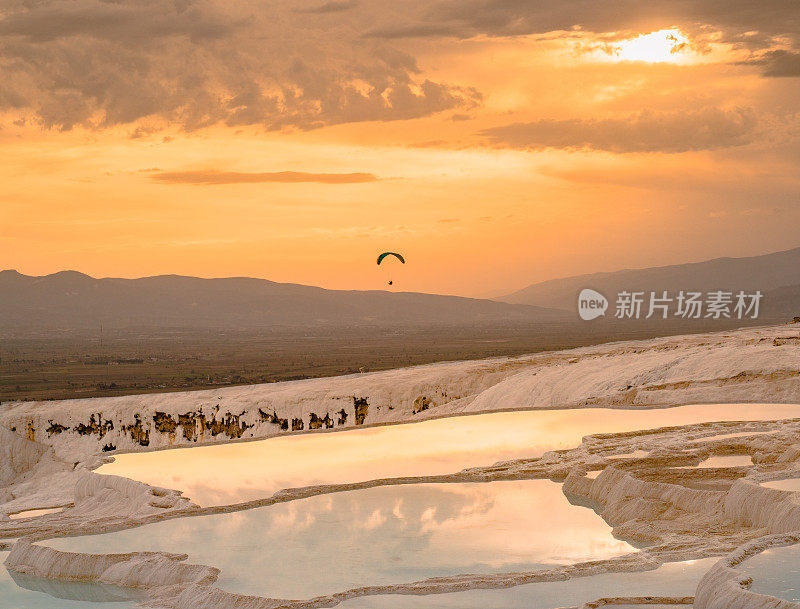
point(382, 256)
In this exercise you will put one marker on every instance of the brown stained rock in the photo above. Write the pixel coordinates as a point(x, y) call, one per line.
point(55, 428)
point(230, 425)
point(139, 434)
point(297, 424)
point(317, 422)
point(188, 423)
point(274, 419)
point(96, 426)
point(342, 417)
point(422, 403)
point(362, 409)
point(164, 423)
point(192, 424)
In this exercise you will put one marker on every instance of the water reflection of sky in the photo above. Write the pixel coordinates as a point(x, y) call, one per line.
point(229, 473)
point(789, 484)
point(674, 579)
point(721, 461)
point(378, 536)
point(775, 572)
point(19, 591)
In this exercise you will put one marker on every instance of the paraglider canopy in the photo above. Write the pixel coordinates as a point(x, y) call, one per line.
point(388, 267)
point(384, 254)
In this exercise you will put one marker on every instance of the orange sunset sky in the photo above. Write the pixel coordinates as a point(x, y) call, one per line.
point(494, 143)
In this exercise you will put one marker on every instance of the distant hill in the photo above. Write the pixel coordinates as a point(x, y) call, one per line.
point(766, 273)
point(69, 299)
point(782, 303)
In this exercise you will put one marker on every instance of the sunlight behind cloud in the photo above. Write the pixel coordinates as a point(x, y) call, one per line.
point(669, 45)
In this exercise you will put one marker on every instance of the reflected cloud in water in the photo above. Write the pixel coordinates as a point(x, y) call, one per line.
point(382, 535)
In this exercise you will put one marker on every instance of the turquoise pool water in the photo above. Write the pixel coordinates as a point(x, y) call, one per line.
point(26, 592)
point(776, 572)
point(673, 579)
point(382, 535)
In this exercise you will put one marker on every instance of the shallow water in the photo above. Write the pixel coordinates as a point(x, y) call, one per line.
point(790, 484)
point(730, 436)
point(673, 579)
point(35, 513)
point(383, 535)
point(636, 454)
point(776, 572)
point(234, 472)
point(721, 461)
point(25, 592)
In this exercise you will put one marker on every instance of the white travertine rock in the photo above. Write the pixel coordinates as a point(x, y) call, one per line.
point(754, 505)
point(18, 455)
point(723, 587)
point(624, 496)
point(743, 366)
point(740, 366)
point(102, 495)
point(132, 570)
point(791, 454)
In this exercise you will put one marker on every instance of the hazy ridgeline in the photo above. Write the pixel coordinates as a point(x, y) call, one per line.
point(71, 335)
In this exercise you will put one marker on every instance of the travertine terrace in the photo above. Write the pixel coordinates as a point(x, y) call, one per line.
point(642, 482)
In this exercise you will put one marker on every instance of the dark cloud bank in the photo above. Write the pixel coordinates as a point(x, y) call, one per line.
point(291, 63)
point(200, 62)
point(704, 129)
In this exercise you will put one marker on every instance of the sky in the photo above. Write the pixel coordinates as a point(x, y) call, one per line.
point(495, 143)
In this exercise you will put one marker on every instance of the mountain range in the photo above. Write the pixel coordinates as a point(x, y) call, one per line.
point(72, 300)
point(777, 275)
point(69, 299)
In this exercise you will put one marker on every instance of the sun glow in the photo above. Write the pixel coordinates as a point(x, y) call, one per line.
point(670, 45)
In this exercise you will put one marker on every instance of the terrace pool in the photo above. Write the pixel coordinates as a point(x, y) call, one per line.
point(242, 471)
point(789, 484)
point(776, 572)
point(672, 579)
point(383, 535)
point(26, 592)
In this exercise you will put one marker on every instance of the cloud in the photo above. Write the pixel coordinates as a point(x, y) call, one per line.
point(781, 63)
point(757, 27)
point(705, 129)
point(194, 63)
point(210, 177)
point(287, 64)
point(420, 30)
point(49, 21)
point(742, 21)
point(328, 7)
